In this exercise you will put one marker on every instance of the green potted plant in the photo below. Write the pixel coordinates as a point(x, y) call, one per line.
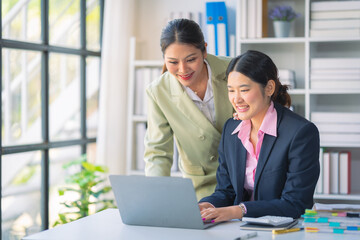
point(89, 188)
point(282, 16)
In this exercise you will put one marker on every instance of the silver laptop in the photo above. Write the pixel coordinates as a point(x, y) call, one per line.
point(157, 201)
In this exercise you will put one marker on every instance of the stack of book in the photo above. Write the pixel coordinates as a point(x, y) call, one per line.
point(335, 172)
point(338, 222)
point(335, 19)
point(253, 23)
point(335, 73)
point(287, 77)
point(339, 128)
point(143, 77)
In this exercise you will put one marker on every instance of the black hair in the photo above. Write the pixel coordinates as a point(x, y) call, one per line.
point(182, 31)
point(260, 68)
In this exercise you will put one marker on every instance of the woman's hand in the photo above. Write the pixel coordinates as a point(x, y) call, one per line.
point(205, 205)
point(221, 214)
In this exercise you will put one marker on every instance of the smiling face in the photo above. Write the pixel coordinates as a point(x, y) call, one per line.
point(249, 98)
point(186, 63)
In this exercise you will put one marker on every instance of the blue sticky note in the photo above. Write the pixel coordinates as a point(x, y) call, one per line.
point(334, 224)
point(338, 230)
point(323, 220)
point(352, 228)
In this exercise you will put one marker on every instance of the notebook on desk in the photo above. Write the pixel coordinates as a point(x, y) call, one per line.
point(157, 201)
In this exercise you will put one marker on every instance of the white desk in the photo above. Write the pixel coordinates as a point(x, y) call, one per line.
point(108, 225)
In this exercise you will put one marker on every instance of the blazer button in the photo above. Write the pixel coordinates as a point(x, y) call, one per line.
point(202, 137)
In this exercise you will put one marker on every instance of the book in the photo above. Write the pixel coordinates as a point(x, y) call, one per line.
point(258, 227)
point(348, 14)
point(341, 84)
point(326, 173)
point(325, 77)
point(336, 207)
point(345, 172)
point(329, 63)
point(335, 117)
point(337, 71)
point(335, 5)
point(335, 24)
point(343, 138)
point(251, 20)
point(334, 172)
point(244, 22)
point(261, 18)
point(319, 185)
point(335, 33)
point(338, 127)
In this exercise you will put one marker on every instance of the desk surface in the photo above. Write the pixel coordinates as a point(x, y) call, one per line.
point(108, 225)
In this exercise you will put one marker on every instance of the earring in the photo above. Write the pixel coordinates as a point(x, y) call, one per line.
point(236, 116)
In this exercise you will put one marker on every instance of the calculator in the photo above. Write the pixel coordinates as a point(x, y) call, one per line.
point(268, 220)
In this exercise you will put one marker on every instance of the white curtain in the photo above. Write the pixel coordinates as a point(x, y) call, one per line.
point(111, 138)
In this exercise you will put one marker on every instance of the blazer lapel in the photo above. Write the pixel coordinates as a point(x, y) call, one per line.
point(188, 108)
point(266, 148)
point(223, 108)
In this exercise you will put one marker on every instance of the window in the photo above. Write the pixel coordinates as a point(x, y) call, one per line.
point(50, 70)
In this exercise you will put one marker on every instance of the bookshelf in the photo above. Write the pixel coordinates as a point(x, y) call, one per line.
point(296, 52)
point(136, 122)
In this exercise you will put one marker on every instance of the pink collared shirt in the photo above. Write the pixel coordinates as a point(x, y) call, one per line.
point(268, 126)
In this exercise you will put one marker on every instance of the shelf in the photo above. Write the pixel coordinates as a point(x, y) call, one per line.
point(334, 91)
point(297, 91)
point(273, 40)
point(148, 63)
point(341, 145)
point(348, 197)
point(339, 39)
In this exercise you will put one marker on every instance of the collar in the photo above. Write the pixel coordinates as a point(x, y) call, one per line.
point(268, 125)
point(209, 92)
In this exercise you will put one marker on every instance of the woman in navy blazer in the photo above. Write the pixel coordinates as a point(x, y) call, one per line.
point(283, 157)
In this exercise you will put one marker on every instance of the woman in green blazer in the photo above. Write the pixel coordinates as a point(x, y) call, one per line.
point(187, 103)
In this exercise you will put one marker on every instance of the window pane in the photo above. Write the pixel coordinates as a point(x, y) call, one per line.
point(91, 154)
point(93, 25)
point(20, 202)
point(21, 107)
point(92, 94)
point(64, 23)
point(64, 97)
point(21, 20)
point(58, 158)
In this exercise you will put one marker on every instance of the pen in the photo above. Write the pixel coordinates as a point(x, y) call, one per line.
point(247, 236)
point(286, 230)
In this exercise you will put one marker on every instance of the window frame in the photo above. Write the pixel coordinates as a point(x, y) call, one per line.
point(45, 49)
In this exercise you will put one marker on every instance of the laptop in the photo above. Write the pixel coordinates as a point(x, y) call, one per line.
point(157, 201)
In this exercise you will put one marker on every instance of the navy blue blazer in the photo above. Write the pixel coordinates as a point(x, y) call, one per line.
point(287, 171)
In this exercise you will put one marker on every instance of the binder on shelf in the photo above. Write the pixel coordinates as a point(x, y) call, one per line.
point(338, 127)
point(251, 20)
point(335, 117)
point(345, 172)
point(334, 172)
point(216, 23)
point(326, 173)
point(349, 32)
point(319, 186)
point(341, 84)
point(244, 17)
point(140, 146)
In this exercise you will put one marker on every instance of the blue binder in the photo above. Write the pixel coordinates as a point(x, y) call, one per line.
point(216, 24)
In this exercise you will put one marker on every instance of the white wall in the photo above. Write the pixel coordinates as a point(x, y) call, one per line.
point(150, 18)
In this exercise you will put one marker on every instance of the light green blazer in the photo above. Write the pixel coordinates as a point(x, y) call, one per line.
point(172, 114)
